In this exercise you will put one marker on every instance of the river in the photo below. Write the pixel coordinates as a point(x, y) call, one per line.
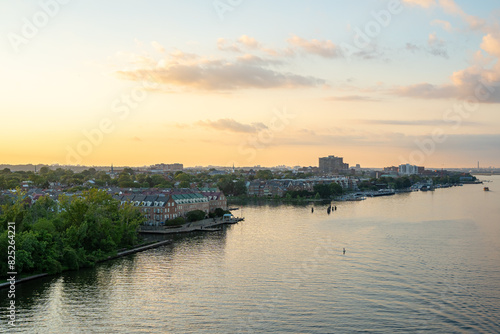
point(414, 262)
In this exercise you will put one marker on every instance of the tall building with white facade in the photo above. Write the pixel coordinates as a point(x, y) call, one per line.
point(408, 169)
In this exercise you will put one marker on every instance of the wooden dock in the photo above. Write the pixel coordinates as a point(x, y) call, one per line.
point(206, 225)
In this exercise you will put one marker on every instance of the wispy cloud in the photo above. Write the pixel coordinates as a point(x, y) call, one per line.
point(355, 98)
point(480, 80)
point(443, 24)
point(326, 49)
point(435, 46)
point(421, 122)
point(190, 71)
point(422, 3)
point(228, 124)
point(450, 7)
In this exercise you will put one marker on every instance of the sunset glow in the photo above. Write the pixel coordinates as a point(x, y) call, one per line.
point(250, 83)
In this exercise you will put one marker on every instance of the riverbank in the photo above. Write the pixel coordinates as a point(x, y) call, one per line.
point(205, 225)
point(347, 196)
point(137, 249)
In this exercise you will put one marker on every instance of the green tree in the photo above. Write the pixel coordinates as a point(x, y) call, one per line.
point(323, 190)
point(184, 184)
point(181, 176)
point(335, 189)
point(264, 174)
point(195, 215)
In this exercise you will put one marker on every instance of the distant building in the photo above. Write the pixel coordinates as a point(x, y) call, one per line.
point(174, 167)
point(332, 164)
point(167, 167)
point(391, 169)
point(408, 169)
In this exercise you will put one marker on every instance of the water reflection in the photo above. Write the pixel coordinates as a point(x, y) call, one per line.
point(413, 262)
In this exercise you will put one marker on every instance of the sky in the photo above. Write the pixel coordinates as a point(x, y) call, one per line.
point(223, 82)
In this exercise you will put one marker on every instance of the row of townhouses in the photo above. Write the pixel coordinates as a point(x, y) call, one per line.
point(156, 206)
point(279, 187)
point(159, 208)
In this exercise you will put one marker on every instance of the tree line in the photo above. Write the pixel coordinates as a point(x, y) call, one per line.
point(73, 232)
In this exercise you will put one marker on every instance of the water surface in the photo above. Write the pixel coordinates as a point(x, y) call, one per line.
point(424, 262)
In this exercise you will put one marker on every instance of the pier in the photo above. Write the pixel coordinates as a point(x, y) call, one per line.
point(205, 225)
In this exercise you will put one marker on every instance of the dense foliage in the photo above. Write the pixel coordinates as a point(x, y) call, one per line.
point(328, 190)
point(229, 185)
point(175, 222)
point(52, 236)
point(195, 215)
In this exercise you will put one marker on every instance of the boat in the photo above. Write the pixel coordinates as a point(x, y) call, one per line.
point(486, 189)
point(381, 192)
point(230, 219)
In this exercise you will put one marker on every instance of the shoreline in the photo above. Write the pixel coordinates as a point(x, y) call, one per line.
point(206, 225)
point(304, 201)
point(134, 250)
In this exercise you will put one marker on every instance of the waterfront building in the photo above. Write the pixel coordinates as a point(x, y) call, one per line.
point(279, 187)
point(157, 208)
point(332, 164)
point(408, 169)
point(216, 198)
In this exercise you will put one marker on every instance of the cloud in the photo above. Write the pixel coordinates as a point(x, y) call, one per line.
point(224, 45)
point(491, 44)
point(479, 81)
point(422, 122)
point(228, 124)
point(450, 7)
point(245, 43)
point(249, 42)
point(434, 40)
point(355, 98)
point(437, 46)
point(443, 24)
point(158, 47)
point(190, 71)
point(422, 3)
point(412, 47)
point(256, 60)
point(476, 144)
point(324, 49)
point(425, 90)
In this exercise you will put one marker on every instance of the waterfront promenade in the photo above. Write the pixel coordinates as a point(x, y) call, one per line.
point(205, 225)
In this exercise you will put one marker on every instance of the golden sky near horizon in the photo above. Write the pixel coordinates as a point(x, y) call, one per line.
point(251, 83)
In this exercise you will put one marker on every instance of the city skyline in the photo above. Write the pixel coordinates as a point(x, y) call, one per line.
point(378, 83)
